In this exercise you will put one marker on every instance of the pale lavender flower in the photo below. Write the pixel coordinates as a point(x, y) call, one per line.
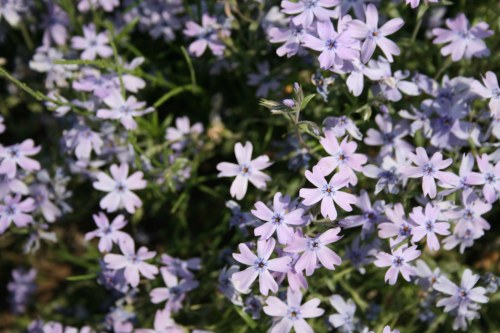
point(460, 296)
point(291, 36)
point(391, 85)
point(226, 285)
point(246, 170)
point(358, 70)
point(335, 47)
point(426, 277)
point(17, 155)
point(123, 109)
point(327, 193)
point(416, 3)
point(83, 140)
point(429, 169)
point(44, 201)
point(260, 266)
point(358, 6)
point(315, 249)
point(420, 120)
point(17, 211)
point(55, 23)
point(469, 214)
point(264, 80)
point(133, 263)
point(107, 5)
point(344, 319)
point(292, 313)
point(163, 324)
point(56, 75)
point(374, 36)
point(181, 135)
point(399, 226)
point(119, 319)
point(387, 173)
point(253, 306)
point(308, 10)
point(280, 220)
point(179, 267)
point(428, 225)
point(21, 288)
point(371, 215)
point(92, 44)
point(463, 40)
point(12, 11)
point(120, 188)
point(108, 233)
point(12, 185)
point(390, 137)
point(207, 35)
point(361, 255)
point(174, 292)
point(398, 261)
point(490, 178)
point(342, 156)
point(241, 219)
point(342, 125)
point(489, 90)
point(468, 178)
point(296, 279)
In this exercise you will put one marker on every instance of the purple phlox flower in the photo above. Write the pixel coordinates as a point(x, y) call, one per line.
point(13, 10)
point(56, 75)
point(463, 235)
point(44, 201)
point(120, 319)
point(112, 279)
point(158, 18)
point(12, 185)
point(391, 85)
point(416, 3)
point(163, 323)
point(460, 296)
point(429, 169)
point(174, 292)
point(468, 178)
point(335, 47)
point(490, 177)
point(122, 109)
point(280, 220)
point(322, 84)
point(291, 36)
point(292, 313)
point(14, 210)
point(358, 6)
point(240, 219)
point(420, 120)
point(357, 71)
point(344, 319)
point(134, 264)
point(463, 40)
point(264, 79)
point(246, 170)
point(208, 34)
point(387, 173)
point(399, 226)
point(373, 36)
point(342, 156)
point(489, 90)
point(92, 44)
point(179, 267)
point(21, 288)
point(308, 10)
point(55, 23)
point(327, 193)
point(425, 83)
point(361, 255)
point(390, 136)
point(120, 188)
point(370, 216)
point(108, 233)
point(226, 285)
point(181, 135)
point(398, 261)
point(428, 225)
point(17, 154)
point(456, 90)
point(469, 214)
point(83, 140)
point(340, 125)
point(59, 110)
point(296, 279)
point(107, 5)
point(426, 277)
point(253, 306)
point(273, 17)
point(315, 249)
point(260, 266)
point(99, 84)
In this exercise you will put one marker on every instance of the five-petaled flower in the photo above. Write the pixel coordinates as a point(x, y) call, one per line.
point(398, 262)
point(17, 154)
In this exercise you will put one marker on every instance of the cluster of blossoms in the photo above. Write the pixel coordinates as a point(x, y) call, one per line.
point(382, 196)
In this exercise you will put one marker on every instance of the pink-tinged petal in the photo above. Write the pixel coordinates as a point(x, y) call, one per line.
point(110, 202)
point(293, 298)
point(246, 256)
point(130, 201)
point(300, 325)
point(260, 163)
point(115, 261)
point(28, 164)
point(312, 42)
point(308, 262)
point(367, 49)
point(445, 286)
point(330, 236)
point(275, 307)
point(328, 258)
point(243, 153)
point(344, 200)
point(299, 244)
point(262, 211)
point(328, 208)
point(259, 179)
point(265, 248)
point(489, 193)
point(104, 182)
point(266, 283)
point(148, 270)
point(330, 143)
point(429, 186)
point(407, 271)
point(383, 259)
point(432, 241)
point(119, 173)
point(239, 187)
point(478, 295)
point(279, 264)
point(244, 279)
point(283, 326)
point(418, 233)
point(310, 309)
point(316, 178)
point(391, 275)
point(411, 172)
point(265, 231)
point(327, 165)
point(285, 234)
point(311, 195)
point(356, 162)
point(469, 279)
point(136, 181)
point(411, 253)
point(339, 180)
point(294, 217)
point(388, 47)
point(159, 295)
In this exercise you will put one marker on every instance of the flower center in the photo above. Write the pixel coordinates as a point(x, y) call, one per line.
point(405, 230)
point(429, 226)
point(398, 261)
point(331, 44)
point(10, 210)
point(428, 169)
point(120, 187)
point(245, 169)
point(260, 264)
point(277, 218)
point(490, 178)
point(328, 190)
point(294, 313)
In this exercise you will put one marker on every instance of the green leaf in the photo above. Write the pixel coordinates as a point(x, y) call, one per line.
point(306, 101)
point(83, 277)
point(250, 322)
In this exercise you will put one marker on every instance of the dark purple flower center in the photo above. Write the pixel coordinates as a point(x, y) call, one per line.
point(405, 230)
point(120, 187)
point(277, 218)
point(398, 261)
point(490, 178)
point(10, 210)
point(328, 190)
point(294, 313)
point(331, 44)
point(260, 264)
point(14, 152)
point(429, 226)
point(428, 169)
